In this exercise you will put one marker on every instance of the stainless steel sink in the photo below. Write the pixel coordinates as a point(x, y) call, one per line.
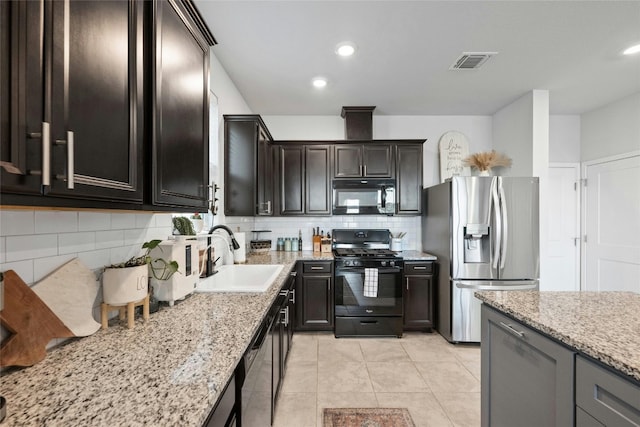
point(241, 278)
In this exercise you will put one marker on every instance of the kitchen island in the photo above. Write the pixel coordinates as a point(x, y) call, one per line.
point(560, 358)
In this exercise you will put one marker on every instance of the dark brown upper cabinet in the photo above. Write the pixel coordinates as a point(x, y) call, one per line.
point(74, 128)
point(368, 160)
point(409, 179)
point(180, 141)
point(248, 166)
point(305, 179)
point(77, 129)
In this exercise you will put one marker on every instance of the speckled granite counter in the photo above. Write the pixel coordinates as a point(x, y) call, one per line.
point(417, 256)
point(603, 325)
point(169, 371)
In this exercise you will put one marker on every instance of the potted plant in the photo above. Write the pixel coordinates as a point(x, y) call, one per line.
point(129, 281)
point(198, 222)
point(183, 226)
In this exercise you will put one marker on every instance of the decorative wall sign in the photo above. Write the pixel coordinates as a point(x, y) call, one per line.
point(454, 148)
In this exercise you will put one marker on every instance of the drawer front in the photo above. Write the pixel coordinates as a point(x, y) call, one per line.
point(611, 399)
point(418, 268)
point(317, 267)
point(368, 326)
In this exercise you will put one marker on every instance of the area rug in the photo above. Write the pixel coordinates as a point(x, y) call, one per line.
point(367, 417)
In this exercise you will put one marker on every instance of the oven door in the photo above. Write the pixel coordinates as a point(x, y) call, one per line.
point(349, 293)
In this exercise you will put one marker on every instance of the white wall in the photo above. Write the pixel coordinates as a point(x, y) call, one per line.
point(564, 138)
point(612, 129)
point(476, 128)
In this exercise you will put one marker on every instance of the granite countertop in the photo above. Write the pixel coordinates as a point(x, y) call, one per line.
point(603, 325)
point(417, 256)
point(168, 371)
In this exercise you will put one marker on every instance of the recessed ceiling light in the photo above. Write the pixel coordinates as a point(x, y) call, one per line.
point(631, 50)
point(345, 49)
point(319, 82)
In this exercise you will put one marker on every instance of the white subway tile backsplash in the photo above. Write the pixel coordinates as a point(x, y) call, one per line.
point(3, 249)
point(24, 269)
point(55, 222)
point(163, 220)
point(123, 253)
point(45, 266)
point(14, 223)
point(76, 242)
point(157, 233)
point(109, 239)
point(30, 247)
point(95, 260)
point(145, 220)
point(135, 237)
point(121, 221)
point(94, 221)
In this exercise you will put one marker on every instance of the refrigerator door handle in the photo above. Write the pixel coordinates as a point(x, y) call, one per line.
point(498, 214)
point(503, 286)
point(505, 225)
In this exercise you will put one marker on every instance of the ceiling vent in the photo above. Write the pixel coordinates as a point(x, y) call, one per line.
point(471, 60)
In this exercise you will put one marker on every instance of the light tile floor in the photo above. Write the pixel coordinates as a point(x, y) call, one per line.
point(438, 382)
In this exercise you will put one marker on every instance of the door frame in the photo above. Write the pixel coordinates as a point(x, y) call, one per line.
point(583, 204)
point(579, 209)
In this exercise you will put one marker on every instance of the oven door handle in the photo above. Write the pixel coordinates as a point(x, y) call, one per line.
point(361, 270)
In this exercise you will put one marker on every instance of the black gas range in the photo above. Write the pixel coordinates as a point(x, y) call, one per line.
point(368, 283)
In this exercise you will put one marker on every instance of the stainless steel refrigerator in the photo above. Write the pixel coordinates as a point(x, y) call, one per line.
point(485, 233)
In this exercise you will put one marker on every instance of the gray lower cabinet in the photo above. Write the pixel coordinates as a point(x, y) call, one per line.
point(527, 378)
point(604, 398)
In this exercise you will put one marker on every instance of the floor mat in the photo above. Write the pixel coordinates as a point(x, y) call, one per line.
point(367, 417)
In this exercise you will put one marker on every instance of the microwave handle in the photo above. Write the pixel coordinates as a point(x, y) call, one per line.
point(384, 198)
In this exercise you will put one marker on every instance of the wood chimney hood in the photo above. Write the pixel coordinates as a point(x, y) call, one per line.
point(358, 122)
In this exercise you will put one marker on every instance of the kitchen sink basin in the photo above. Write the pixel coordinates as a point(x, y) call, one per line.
point(241, 278)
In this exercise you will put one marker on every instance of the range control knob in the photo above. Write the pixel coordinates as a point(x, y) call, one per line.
point(383, 263)
point(392, 263)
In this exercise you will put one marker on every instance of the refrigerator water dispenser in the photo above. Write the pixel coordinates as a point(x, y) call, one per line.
point(476, 243)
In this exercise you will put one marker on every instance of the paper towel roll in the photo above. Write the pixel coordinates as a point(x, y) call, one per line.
point(240, 255)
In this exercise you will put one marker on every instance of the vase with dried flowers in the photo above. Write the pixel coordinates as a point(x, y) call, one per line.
point(487, 160)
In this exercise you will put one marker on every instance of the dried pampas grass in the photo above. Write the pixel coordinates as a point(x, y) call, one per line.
point(487, 160)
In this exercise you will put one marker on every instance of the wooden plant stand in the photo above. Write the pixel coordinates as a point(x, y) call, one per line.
point(129, 313)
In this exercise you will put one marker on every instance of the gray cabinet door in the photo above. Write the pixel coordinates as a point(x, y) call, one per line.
point(527, 378)
point(607, 397)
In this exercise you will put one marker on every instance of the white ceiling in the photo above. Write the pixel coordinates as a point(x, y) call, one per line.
point(272, 50)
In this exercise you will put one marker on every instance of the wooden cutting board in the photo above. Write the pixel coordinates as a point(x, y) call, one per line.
point(30, 321)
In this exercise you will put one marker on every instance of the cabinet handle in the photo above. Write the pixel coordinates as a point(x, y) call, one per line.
point(293, 296)
point(285, 311)
point(317, 268)
point(365, 170)
point(293, 273)
point(407, 283)
point(269, 206)
point(418, 267)
point(70, 160)
point(512, 330)
point(46, 154)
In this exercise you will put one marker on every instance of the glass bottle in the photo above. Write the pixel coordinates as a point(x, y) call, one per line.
point(287, 244)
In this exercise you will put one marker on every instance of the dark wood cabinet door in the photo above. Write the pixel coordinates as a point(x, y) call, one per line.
point(240, 167)
point(409, 179)
point(292, 185)
point(348, 161)
point(96, 100)
point(180, 142)
point(21, 96)
point(318, 179)
point(418, 302)
point(377, 161)
point(265, 172)
point(314, 305)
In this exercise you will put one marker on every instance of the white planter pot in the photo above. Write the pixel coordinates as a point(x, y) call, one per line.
point(198, 224)
point(124, 285)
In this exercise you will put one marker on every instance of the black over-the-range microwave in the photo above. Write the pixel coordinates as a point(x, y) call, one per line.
point(364, 197)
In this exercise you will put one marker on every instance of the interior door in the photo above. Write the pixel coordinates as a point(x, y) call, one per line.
point(563, 243)
point(612, 225)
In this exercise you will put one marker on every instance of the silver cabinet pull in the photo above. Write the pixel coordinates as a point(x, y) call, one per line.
point(419, 267)
point(269, 206)
point(512, 330)
point(317, 268)
point(293, 296)
point(46, 154)
point(365, 170)
point(70, 160)
point(407, 283)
